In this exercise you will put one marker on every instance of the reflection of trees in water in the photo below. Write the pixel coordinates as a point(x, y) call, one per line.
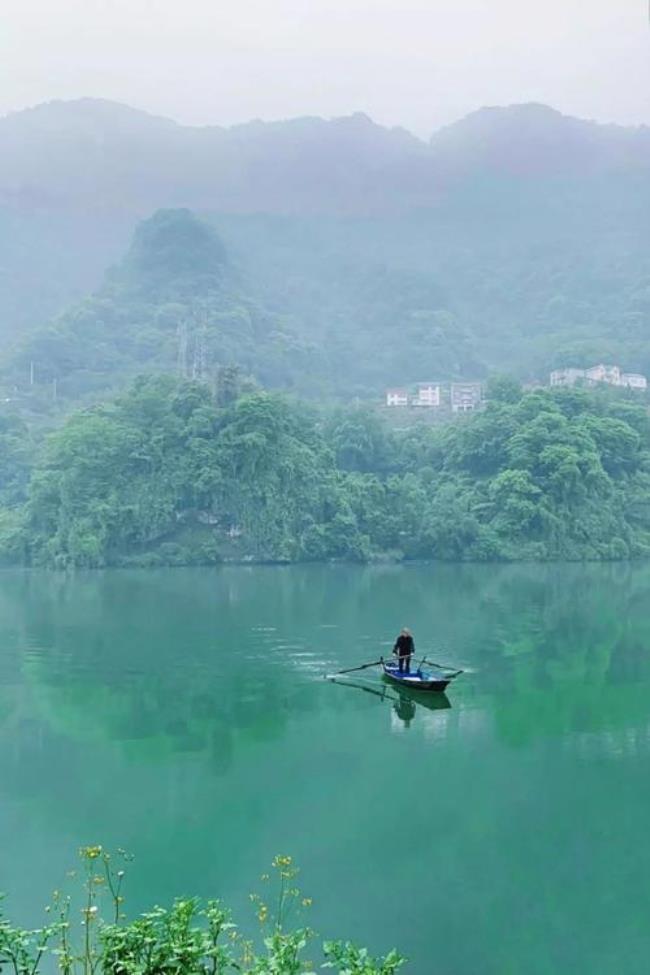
point(563, 646)
point(134, 657)
point(560, 647)
point(152, 658)
point(130, 714)
point(164, 715)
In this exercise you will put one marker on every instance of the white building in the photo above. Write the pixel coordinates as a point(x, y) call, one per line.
point(604, 374)
point(566, 377)
point(397, 397)
point(611, 375)
point(633, 380)
point(465, 397)
point(428, 394)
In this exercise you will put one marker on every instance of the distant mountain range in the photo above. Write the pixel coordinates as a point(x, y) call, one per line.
point(514, 240)
point(100, 154)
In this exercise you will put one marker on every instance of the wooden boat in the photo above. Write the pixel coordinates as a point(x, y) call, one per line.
point(433, 678)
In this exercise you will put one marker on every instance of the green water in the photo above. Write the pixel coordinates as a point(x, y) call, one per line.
point(182, 714)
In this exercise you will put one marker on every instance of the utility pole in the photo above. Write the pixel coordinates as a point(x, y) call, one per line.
point(31, 373)
point(199, 359)
point(181, 359)
point(195, 356)
point(202, 354)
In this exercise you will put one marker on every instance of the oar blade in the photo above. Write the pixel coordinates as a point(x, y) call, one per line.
point(351, 670)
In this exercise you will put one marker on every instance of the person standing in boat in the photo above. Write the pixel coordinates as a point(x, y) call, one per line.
point(404, 648)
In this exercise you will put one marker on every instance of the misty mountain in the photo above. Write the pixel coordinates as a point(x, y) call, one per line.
point(171, 305)
point(179, 303)
point(108, 156)
point(535, 140)
point(339, 309)
point(515, 238)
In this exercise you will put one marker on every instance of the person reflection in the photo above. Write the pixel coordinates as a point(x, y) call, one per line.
point(405, 709)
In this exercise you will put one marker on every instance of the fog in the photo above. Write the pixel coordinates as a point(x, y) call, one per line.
point(417, 63)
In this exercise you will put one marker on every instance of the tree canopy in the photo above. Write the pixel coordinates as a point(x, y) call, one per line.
point(174, 472)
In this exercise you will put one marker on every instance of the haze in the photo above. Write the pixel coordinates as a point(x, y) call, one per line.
point(418, 63)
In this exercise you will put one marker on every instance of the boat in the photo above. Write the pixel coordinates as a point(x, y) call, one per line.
point(433, 678)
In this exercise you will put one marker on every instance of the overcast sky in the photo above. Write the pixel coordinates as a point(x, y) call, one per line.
point(418, 63)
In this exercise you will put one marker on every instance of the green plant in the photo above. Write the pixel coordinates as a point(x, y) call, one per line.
point(184, 939)
point(351, 960)
point(22, 951)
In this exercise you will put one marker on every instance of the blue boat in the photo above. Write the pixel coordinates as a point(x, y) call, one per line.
point(433, 678)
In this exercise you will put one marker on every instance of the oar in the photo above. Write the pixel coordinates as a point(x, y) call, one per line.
point(455, 673)
point(350, 670)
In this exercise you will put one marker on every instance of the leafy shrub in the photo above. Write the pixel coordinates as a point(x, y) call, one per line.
point(184, 939)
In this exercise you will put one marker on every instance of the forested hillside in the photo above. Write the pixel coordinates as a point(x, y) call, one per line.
point(490, 287)
point(170, 473)
point(175, 304)
point(338, 312)
point(149, 421)
point(516, 237)
point(179, 303)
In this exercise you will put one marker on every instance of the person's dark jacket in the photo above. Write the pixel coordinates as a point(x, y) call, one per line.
point(404, 646)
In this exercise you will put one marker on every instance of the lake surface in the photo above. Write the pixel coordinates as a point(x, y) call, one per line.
point(182, 714)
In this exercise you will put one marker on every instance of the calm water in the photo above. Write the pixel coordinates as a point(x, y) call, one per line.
point(182, 714)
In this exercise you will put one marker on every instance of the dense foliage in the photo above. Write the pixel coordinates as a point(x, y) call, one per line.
point(175, 472)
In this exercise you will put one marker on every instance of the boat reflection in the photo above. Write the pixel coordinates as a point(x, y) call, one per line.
point(405, 702)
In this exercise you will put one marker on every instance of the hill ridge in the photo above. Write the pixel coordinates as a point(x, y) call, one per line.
point(511, 108)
